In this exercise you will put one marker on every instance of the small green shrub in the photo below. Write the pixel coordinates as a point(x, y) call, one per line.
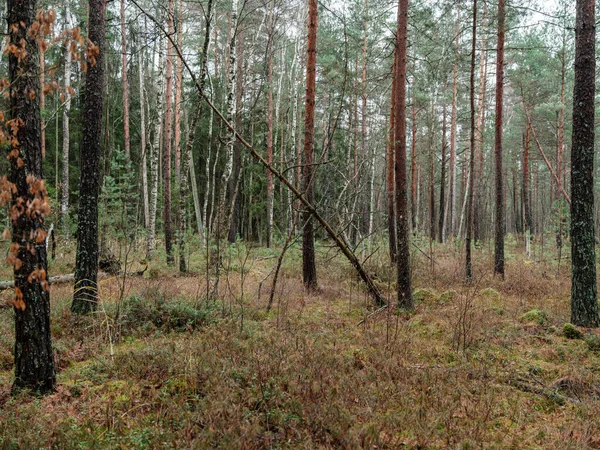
point(145, 316)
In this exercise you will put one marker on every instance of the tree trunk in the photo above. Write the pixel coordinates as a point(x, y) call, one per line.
point(413, 167)
point(143, 131)
point(442, 180)
point(125, 83)
point(526, 205)
point(85, 295)
point(499, 219)
point(233, 218)
point(155, 156)
point(64, 199)
point(309, 270)
point(223, 214)
point(390, 160)
point(452, 194)
point(478, 180)
point(584, 291)
point(167, 149)
point(404, 290)
point(432, 214)
point(270, 191)
point(469, 225)
point(178, 89)
point(34, 358)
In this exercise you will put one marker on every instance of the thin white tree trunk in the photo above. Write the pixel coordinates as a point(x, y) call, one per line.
point(222, 225)
point(64, 203)
point(154, 159)
point(143, 152)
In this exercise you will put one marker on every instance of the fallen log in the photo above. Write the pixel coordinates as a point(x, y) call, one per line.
point(70, 277)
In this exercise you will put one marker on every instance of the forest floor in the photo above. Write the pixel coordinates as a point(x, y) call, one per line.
point(161, 366)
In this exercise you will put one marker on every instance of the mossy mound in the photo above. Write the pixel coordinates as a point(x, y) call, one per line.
point(572, 332)
point(535, 315)
point(424, 296)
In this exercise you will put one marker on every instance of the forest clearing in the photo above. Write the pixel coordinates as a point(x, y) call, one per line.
point(264, 224)
point(485, 366)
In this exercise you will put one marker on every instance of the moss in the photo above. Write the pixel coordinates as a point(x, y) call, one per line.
point(489, 293)
point(423, 296)
point(448, 296)
point(535, 315)
point(572, 332)
point(593, 343)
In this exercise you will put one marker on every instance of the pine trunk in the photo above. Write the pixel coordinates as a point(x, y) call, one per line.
point(500, 222)
point(404, 290)
point(471, 184)
point(85, 295)
point(34, 358)
point(584, 291)
point(309, 270)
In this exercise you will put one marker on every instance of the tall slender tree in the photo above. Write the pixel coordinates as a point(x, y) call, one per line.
point(500, 224)
point(404, 290)
point(471, 171)
point(34, 358)
point(584, 289)
point(66, 135)
point(86, 263)
point(390, 179)
point(168, 134)
point(125, 83)
point(309, 270)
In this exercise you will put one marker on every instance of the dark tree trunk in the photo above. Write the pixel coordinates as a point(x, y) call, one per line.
point(584, 290)
point(85, 295)
point(500, 223)
point(470, 196)
point(404, 290)
point(34, 360)
point(309, 270)
point(442, 180)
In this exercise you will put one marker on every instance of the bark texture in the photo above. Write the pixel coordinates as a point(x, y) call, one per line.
point(86, 264)
point(499, 225)
point(584, 290)
point(34, 359)
point(404, 290)
point(309, 271)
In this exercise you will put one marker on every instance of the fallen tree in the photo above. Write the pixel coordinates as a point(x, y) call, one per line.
point(339, 241)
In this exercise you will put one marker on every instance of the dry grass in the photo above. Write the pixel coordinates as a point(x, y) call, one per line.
point(464, 371)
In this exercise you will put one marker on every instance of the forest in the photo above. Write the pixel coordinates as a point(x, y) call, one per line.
point(294, 224)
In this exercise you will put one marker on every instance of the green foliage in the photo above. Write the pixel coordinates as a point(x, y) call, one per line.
point(423, 296)
point(535, 315)
point(139, 315)
point(593, 342)
point(119, 197)
point(572, 332)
